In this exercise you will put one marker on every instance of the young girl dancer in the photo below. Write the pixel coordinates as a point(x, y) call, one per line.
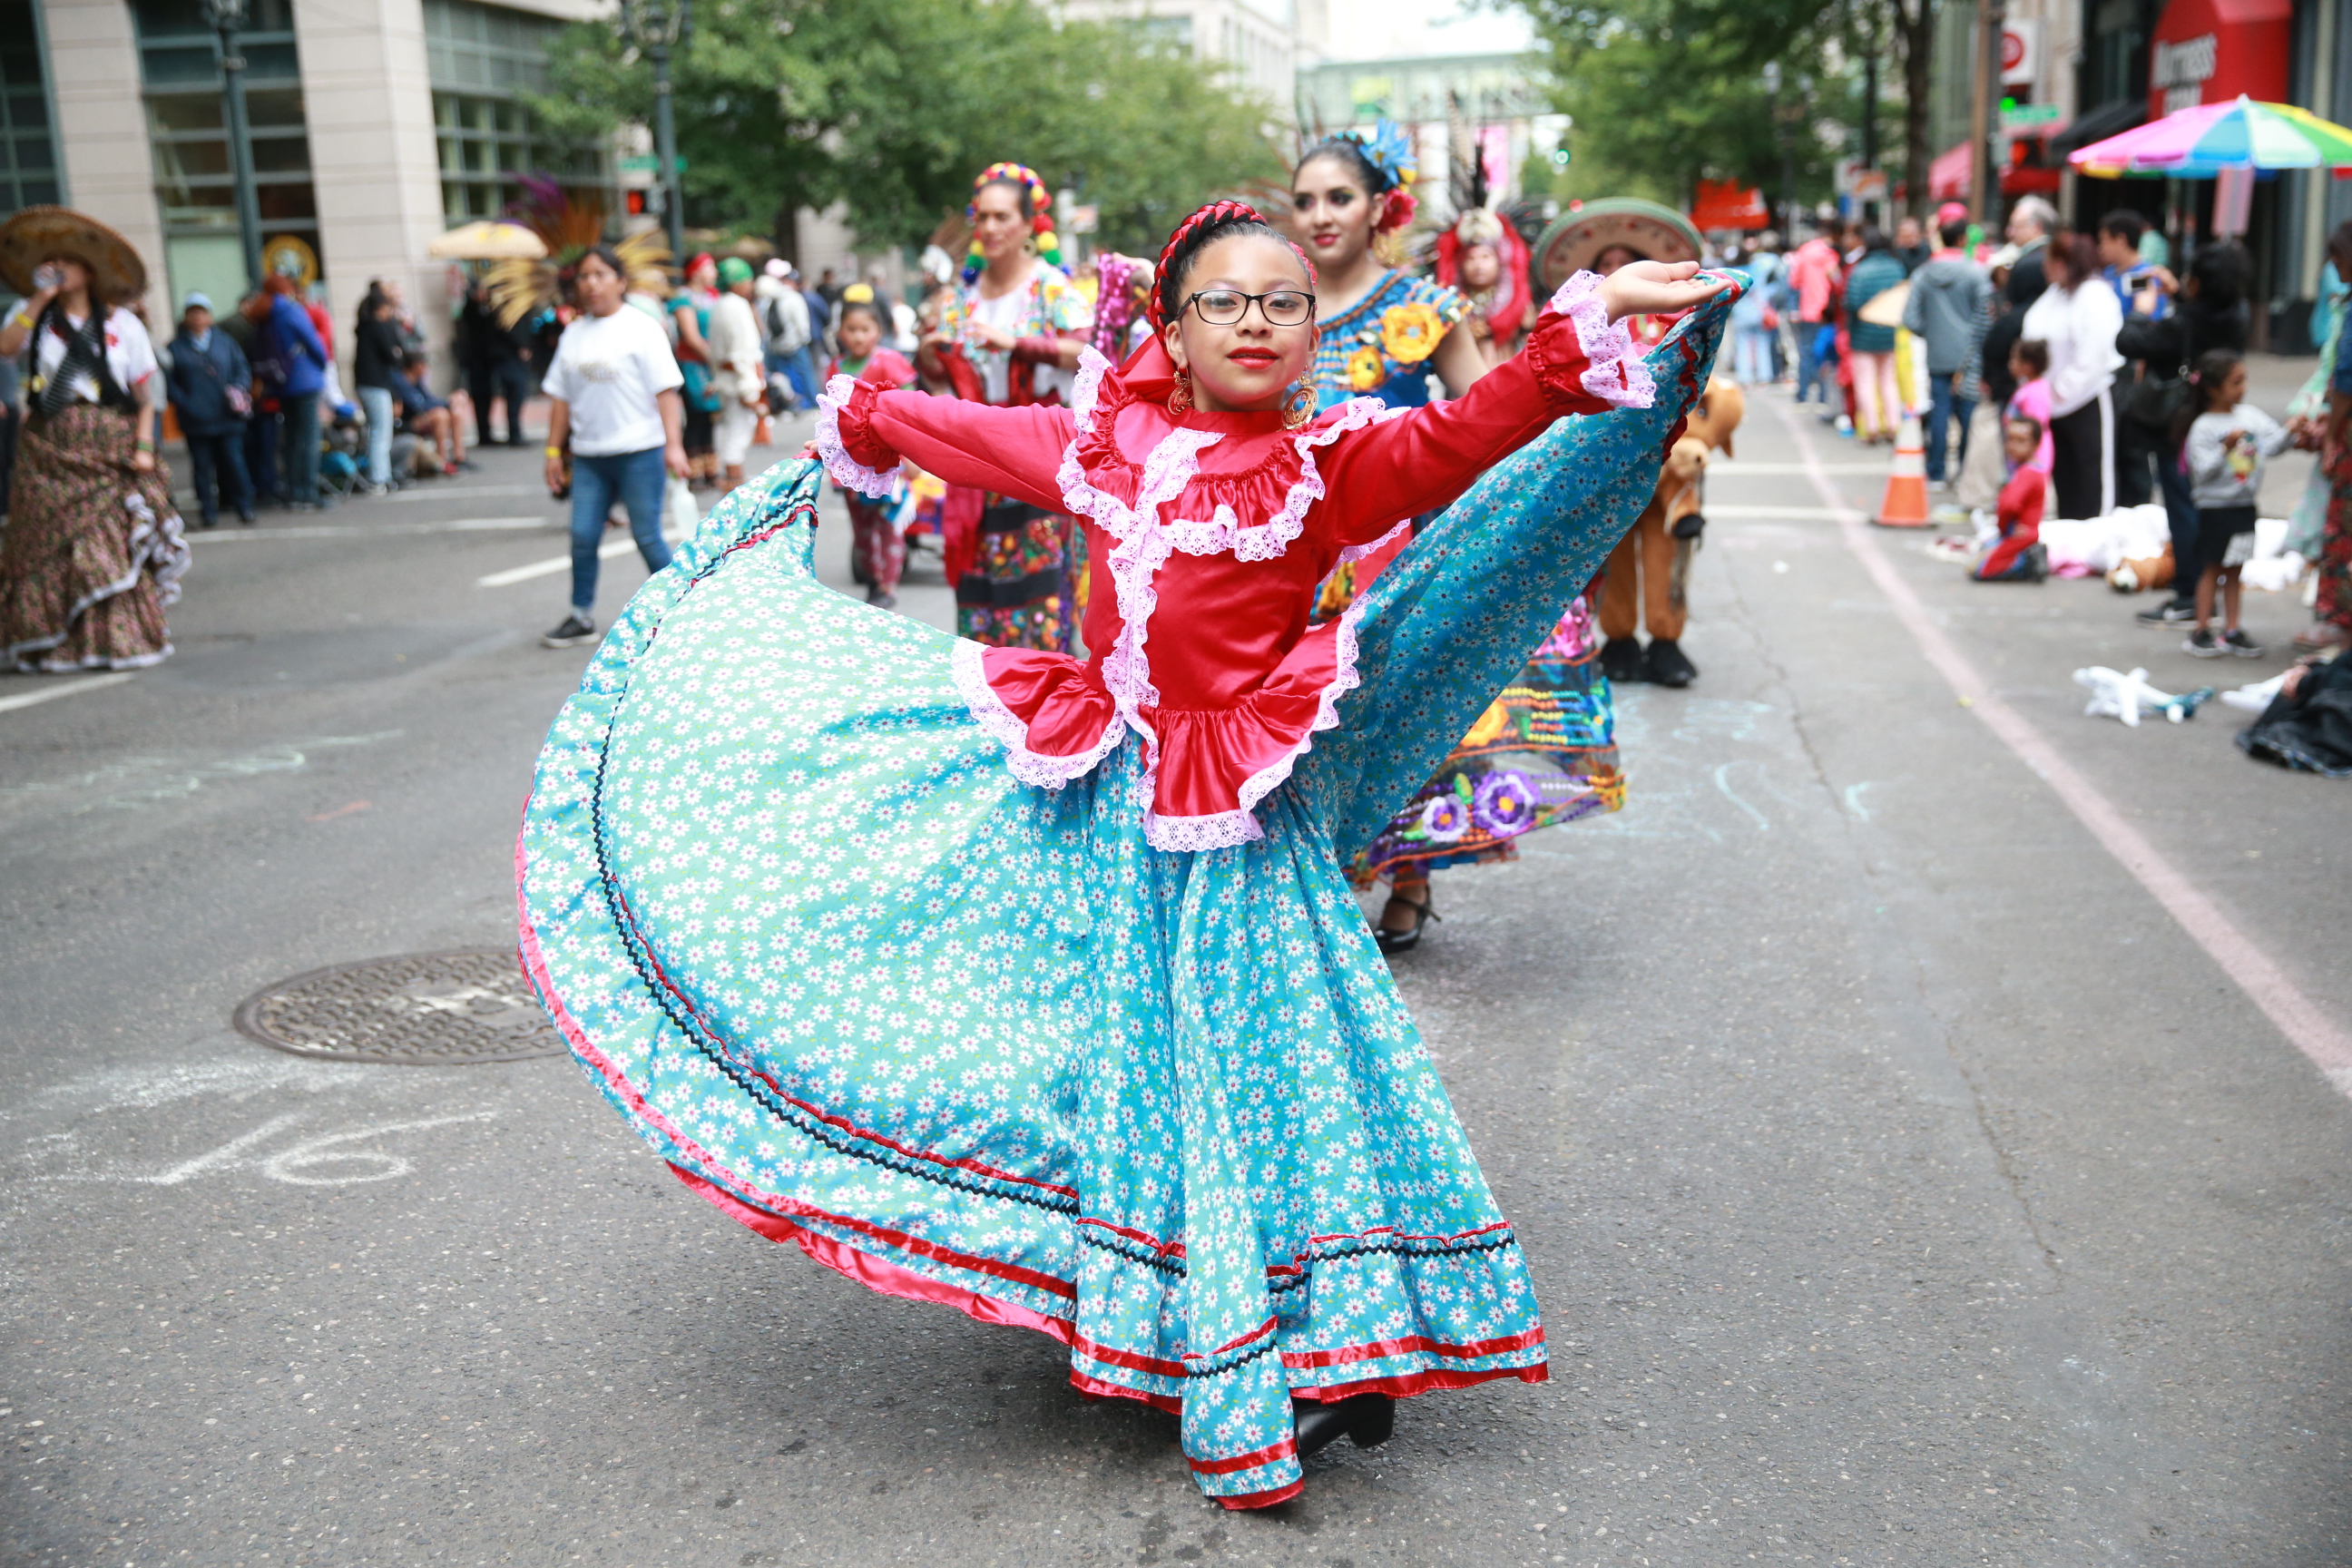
point(1175, 1115)
point(881, 553)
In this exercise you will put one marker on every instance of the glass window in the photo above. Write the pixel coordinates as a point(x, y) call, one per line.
point(485, 61)
point(195, 184)
point(28, 165)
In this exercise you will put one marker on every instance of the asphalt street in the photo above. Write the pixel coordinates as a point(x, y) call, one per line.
point(1913, 1170)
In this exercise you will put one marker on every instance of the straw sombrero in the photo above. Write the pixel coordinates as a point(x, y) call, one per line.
point(1571, 241)
point(33, 234)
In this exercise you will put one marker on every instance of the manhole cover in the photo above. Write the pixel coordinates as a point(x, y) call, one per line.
point(423, 1009)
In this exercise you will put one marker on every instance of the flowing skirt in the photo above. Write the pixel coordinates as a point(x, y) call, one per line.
point(1543, 753)
point(93, 551)
point(976, 1043)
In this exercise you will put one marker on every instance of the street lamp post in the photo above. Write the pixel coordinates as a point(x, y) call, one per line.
point(655, 27)
point(227, 17)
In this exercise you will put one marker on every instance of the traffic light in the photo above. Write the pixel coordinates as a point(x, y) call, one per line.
point(635, 200)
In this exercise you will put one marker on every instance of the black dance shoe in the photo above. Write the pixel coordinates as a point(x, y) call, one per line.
point(1367, 1420)
point(1666, 665)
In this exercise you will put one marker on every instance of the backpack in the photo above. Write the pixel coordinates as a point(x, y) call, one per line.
point(787, 331)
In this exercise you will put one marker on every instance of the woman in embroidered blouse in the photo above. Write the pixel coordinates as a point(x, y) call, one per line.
point(1172, 1113)
point(1009, 338)
point(1380, 330)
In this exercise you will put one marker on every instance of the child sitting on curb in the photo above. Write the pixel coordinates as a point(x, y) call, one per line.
point(2018, 557)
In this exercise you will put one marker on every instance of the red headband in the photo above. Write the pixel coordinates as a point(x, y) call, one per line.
point(1214, 213)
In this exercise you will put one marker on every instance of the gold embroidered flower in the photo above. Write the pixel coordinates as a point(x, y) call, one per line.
point(1490, 725)
point(1365, 371)
point(1409, 332)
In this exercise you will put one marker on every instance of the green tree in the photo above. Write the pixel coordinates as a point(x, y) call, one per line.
point(1668, 92)
point(890, 106)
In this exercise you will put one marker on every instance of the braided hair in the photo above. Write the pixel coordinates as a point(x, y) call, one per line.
point(1194, 235)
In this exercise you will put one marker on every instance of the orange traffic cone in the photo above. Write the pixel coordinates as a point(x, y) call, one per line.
point(1906, 505)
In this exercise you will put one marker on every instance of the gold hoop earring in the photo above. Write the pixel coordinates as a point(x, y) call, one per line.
point(1179, 400)
point(1298, 408)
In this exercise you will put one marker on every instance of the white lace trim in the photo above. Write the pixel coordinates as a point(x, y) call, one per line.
point(1225, 829)
point(1358, 551)
point(1085, 388)
point(1005, 727)
point(1608, 345)
point(847, 470)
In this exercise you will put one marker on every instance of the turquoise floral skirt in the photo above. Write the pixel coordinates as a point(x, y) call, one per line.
point(976, 1043)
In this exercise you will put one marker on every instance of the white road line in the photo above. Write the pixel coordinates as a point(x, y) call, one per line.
point(1812, 513)
point(60, 687)
point(611, 549)
point(365, 531)
point(2266, 986)
point(462, 492)
point(1732, 467)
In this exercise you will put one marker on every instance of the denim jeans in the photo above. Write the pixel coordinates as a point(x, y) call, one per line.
point(377, 402)
point(636, 479)
point(1810, 359)
point(800, 369)
point(298, 447)
point(2180, 521)
point(216, 469)
point(1942, 409)
point(1752, 350)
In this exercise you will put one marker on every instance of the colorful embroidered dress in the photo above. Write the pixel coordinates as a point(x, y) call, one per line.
point(1380, 347)
point(1543, 753)
point(1012, 572)
point(1031, 986)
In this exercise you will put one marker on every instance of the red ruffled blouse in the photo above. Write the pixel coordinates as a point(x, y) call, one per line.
point(1208, 535)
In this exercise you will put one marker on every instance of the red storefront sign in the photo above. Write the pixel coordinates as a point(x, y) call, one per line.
point(1723, 205)
point(2210, 51)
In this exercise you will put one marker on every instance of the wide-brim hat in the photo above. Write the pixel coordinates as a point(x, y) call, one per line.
point(33, 234)
point(1571, 241)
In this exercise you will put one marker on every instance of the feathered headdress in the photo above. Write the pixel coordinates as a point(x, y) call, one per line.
point(1511, 293)
point(569, 226)
point(1041, 215)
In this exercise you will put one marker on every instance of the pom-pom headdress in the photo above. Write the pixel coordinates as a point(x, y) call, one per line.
point(1041, 214)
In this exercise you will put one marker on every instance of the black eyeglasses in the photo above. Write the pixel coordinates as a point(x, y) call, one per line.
point(1226, 307)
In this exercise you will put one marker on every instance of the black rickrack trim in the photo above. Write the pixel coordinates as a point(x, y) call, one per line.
point(1266, 1347)
point(640, 959)
point(1133, 1252)
point(1405, 1249)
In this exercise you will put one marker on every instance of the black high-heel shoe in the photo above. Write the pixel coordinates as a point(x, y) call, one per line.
point(1367, 1420)
point(1405, 941)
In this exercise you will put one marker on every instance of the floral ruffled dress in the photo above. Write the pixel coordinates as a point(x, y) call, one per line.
point(1379, 346)
point(1030, 985)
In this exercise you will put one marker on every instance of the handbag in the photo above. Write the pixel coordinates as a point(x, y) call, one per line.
point(2156, 401)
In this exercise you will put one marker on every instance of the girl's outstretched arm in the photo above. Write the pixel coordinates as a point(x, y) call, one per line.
point(863, 431)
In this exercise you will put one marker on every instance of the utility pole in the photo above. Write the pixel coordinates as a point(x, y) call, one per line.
point(1984, 167)
point(226, 19)
point(655, 27)
point(1870, 96)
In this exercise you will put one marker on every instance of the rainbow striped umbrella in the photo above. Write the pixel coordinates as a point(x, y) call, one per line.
point(2205, 140)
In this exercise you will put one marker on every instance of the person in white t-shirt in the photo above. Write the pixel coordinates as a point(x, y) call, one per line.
point(93, 548)
point(612, 391)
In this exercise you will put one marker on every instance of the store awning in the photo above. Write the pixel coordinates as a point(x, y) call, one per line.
point(1947, 176)
point(2107, 119)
